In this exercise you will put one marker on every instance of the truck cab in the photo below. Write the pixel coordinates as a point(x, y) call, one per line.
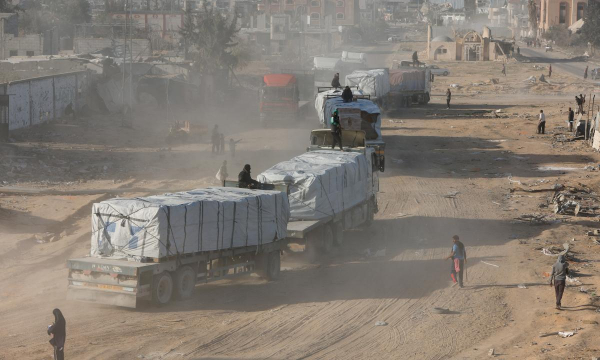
point(279, 97)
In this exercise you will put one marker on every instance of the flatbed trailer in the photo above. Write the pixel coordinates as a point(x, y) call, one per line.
point(127, 283)
point(320, 236)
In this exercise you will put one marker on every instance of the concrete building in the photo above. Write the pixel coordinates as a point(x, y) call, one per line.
point(471, 46)
point(561, 12)
point(343, 12)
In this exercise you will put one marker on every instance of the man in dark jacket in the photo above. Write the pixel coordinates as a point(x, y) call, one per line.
point(571, 119)
point(245, 180)
point(560, 270)
point(59, 335)
point(335, 83)
point(459, 259)
point(336, 129)
point(347, 94)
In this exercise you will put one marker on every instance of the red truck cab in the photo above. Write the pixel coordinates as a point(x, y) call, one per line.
point(279, 97)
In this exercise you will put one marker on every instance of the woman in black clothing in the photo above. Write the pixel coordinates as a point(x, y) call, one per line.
point(59, 332)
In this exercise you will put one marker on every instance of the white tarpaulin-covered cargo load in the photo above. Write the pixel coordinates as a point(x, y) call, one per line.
point(371, 82)
point(325, 63)
point(348, 56)
point(188, 222)
point(369, 113)
point(323, 96)
point(322, 183)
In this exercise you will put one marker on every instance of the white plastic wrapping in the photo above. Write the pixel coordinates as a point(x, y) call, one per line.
point(188, 222)
point(322, 183)
point(322, 97)
point(371, 82)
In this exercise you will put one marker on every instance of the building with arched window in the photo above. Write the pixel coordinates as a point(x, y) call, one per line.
point(468, 46)
point(561, 12)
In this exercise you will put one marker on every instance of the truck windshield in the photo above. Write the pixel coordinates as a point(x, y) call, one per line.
point(287, 93)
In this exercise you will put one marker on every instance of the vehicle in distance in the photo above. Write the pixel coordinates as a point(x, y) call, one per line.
point(549, 48)
point(436, 70)
point(395, 38)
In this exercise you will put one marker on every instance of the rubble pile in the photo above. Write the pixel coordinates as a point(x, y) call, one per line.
point(576, 201)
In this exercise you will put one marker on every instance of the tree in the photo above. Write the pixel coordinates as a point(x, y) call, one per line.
point(210, 36)
point(591, 26)
point(533, 16)
point(6, 6)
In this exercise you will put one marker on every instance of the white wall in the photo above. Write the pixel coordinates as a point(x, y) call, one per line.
point(39, 100)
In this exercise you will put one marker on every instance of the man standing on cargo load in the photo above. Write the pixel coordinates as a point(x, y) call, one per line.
point(335, 83)
point(336, 129)
point(347, 95)
point(459, 259)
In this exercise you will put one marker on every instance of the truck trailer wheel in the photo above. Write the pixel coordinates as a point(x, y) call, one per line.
point(162, 288)
point(338, 233)
point(269, 265)
point(185, 283)
point(328, 239)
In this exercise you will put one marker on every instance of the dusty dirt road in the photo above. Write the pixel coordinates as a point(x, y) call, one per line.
point(447, 173)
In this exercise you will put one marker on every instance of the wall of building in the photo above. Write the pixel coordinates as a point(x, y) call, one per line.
point(28, 45)
point(550, 12)
point(141, 47)
point(38, 100)
point(448, 55)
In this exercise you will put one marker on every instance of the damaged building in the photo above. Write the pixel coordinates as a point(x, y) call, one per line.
point(472, 46)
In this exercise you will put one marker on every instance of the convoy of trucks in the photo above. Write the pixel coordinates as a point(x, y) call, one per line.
point(159, 248)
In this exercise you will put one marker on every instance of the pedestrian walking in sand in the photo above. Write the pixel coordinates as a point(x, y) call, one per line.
point(541, 129)
point(504, 69)
point(560, 270)
point(458, 255)
point(222, 173)
point(550, 70)
point(58, 330)
point(585, 73)
point(448, 98)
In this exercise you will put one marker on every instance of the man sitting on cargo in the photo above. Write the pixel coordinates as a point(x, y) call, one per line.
point(336, 129)
point(245, 180)
point(347, 94)
point(335, 83)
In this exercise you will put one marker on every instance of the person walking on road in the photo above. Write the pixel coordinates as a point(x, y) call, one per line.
point(58, 330)
point(518, 50)
point(550, 70)
point(215, 139)
point(459, 259)
point(448, 98)
point(336, 129)
point(571, 119)
point(585, 73)
point(222, 173)
point(560, 270)
point(504, 69)
point(541, 129)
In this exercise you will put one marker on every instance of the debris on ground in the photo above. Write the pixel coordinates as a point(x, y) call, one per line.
point(566, 333)
point(380, 323)
point(535, 219)
point(575, 201)
point(522, 286)
point(491, 352)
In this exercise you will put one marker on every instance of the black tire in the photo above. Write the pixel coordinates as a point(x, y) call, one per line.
point(185, 283)
point(162, 288)
point(268, 266)
point(273, 265)
point(328, 239)
point(445, 73)
point(338, 234)
point(311, 249)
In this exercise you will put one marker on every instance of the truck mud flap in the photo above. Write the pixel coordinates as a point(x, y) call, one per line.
point(101, 297)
